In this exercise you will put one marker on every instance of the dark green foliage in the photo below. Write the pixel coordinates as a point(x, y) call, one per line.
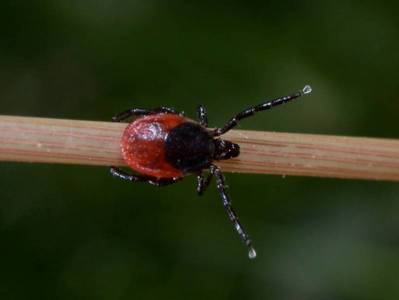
point(70, 232)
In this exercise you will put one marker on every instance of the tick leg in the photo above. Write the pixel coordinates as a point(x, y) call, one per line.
point(222, 188)
point(202, 116)
point(203, 183)
point(137, 178)
point(143, 112)
point(260, 107)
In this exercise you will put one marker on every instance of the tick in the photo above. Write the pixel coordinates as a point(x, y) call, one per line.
point(162, 146)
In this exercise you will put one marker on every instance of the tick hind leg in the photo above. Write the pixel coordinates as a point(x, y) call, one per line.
point(222, 188)
point(139, 178)
point(143, 112)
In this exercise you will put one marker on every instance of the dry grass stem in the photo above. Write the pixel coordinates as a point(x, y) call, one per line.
point(39, 140)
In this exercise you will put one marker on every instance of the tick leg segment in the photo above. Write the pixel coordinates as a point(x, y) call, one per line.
point(222, 188)
point(137, 178)
point(202, 116)
point(257, 108)
point(203, 183)
point(142, 112)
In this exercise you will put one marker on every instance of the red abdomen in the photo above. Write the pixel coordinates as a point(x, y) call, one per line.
point(143, 145)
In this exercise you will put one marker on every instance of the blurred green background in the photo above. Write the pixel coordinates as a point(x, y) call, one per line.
point(73, 232)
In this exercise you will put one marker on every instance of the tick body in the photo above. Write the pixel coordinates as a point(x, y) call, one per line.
point(144, 145)
point(162, 146)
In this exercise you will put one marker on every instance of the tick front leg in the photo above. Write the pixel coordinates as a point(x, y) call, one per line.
point(257, 108)
point(137, 178)
point(143, 112)
point(222, 188)
point(202, 116)
point(203, 183)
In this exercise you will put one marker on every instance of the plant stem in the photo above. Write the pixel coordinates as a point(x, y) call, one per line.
point(39, 140)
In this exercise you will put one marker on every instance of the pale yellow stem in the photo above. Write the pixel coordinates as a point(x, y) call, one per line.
point(24, 139)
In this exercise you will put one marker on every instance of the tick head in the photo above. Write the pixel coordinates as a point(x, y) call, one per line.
point(225, 149)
